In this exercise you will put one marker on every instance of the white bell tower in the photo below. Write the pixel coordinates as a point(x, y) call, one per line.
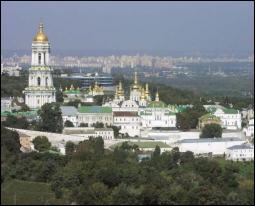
point(40, 88)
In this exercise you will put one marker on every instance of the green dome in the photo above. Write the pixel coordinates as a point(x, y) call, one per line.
point(157, 104)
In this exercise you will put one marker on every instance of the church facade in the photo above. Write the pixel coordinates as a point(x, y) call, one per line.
point(40, 88)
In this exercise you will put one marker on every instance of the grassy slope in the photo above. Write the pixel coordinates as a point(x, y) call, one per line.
point(25, 192)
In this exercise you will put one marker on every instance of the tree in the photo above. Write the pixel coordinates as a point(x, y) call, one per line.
point(70, 148)
point(98, 125)
point(156, 152)
point(211, 131)
point(10, 140)
point(186, 157)
point(41, 143)
point(24, 108)
point(59, 96)
point(83, 124)
point(183, 122)
point(115, 130)
point(12, 121)
point(68, 123)
point(50, 118)
point(99, 99)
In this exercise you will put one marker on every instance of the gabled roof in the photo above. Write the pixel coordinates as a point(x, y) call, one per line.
point(227, 139)
point(125, 114)
point(209, 116)
point(239, 147)
point(68, 110)
point(94, 109)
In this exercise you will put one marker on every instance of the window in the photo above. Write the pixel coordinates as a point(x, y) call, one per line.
point(38, 81)
point(39, 58)
point(46, 81)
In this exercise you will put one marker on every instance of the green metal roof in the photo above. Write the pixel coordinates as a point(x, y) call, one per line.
point(169, 113)
point(94, 109)
point(211, 109)
point(145, 113)
point(157, 104)
point(230, 111)
point(26, 114)
point(181, 108)
point(209, 116)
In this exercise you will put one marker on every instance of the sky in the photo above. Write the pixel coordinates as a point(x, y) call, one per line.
point(136, 27)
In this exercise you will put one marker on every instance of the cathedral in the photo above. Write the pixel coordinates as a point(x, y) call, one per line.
point(40, 88)
point(139, 112)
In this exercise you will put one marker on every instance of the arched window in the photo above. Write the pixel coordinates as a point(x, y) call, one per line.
point(39, 58)
point(46, 81)
point(38, 81)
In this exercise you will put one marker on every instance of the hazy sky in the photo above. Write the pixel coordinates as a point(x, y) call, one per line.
point(131, 26)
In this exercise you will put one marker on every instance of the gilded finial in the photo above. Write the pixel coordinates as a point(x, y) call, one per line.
point(157, 96)
point(41, 27)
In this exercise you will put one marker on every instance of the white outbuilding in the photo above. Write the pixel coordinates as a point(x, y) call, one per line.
point(244, 152)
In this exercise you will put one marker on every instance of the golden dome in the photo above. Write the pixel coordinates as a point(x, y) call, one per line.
point(40, 36)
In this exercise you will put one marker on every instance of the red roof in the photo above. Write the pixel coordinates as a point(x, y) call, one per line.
point(125, 114)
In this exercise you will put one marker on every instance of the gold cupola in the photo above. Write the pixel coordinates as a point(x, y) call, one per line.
point(40, 36)
point(142, 94)
point(120, 89)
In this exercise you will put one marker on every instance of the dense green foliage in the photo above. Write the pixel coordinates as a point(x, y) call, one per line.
point(188, 119)
point(70, 147)
point(41, 143)
point(68, 124)
point(89, 174)
point(50, 118)
point(12, 121)
point(98, 125)
point(211, 131)
point(13, 86)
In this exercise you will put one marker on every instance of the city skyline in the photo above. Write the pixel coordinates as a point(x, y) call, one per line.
point(131, 27)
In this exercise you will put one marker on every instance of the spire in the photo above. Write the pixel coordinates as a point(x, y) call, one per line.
point(157, 97)
point(147, 88)
point(120, 85)
point(147, 92)
point(142, 94)
point(41, 27)
point(135, 79)
point(135, 85)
